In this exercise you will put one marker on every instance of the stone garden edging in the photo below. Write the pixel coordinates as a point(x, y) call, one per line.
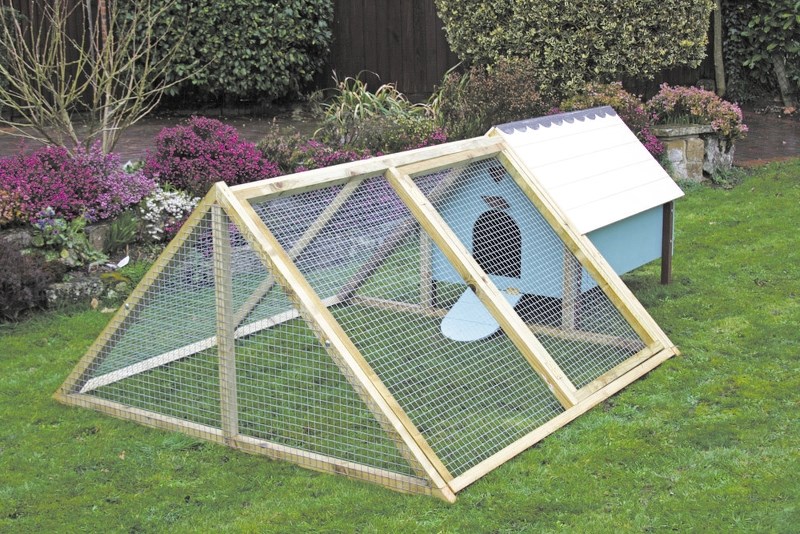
point(694, 151)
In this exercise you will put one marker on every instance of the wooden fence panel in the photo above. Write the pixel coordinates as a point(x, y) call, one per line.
point(401, 41)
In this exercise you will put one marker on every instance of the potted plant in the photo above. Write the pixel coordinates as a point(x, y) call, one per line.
point(685, 113)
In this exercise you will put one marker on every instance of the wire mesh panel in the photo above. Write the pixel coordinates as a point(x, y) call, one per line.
point(145, 362)
point(292, 393)
point(468, 400)
point(523, 255)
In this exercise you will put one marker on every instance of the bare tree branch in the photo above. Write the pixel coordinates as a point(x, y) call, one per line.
point(70, 90)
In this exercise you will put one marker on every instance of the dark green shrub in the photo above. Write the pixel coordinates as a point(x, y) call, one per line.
point(23, 282)
point(576, 42)
point(754, 33)
point(294, 153)
point(470, 104)
point(264, 49)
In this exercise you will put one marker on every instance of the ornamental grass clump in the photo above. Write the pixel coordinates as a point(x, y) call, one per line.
point(383, 120)
point(194, 156)
point(629, 107)
point(86, 183)
point(692, 105)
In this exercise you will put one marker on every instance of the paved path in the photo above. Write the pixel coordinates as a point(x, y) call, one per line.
point(770, 138)
point(138, 138)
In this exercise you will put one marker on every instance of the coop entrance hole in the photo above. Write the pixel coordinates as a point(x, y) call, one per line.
point(497, 244)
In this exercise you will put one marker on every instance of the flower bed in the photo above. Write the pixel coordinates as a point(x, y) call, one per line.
point(84, 183)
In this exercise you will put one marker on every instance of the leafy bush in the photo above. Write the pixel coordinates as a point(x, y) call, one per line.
point(381, 121)
point(755, 33)
point(23, 282)
point(86, 183)
point(202, 152)
point(630, 109)
point(697, 106)
point(249, 48)
point(470, 104)
point(572, 43)
point(64, 241)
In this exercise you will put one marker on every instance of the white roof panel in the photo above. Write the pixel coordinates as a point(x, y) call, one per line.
point(591, 164)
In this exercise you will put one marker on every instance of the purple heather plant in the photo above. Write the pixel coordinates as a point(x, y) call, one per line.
point(87, 183)
point(194, 156)
point(694, 105)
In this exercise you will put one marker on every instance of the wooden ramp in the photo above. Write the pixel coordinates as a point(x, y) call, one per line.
point(469, 320)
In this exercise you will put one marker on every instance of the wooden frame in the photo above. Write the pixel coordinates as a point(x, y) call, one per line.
point(232, 205)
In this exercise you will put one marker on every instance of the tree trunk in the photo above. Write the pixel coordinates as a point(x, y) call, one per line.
point(719, 63)
point(785, 86)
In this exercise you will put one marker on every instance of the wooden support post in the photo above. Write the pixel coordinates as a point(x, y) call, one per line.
point(225, 328)
point(425, 272)
point(572, 290)
point(393, 419)
point(667, 242)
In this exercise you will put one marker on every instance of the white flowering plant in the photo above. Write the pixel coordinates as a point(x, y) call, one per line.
point(164, 211)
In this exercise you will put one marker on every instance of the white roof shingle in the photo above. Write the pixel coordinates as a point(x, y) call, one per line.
point(591, 164)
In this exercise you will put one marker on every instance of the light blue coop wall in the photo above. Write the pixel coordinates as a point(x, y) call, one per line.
point(542, 250)
point(625, 244)
point(629, 243)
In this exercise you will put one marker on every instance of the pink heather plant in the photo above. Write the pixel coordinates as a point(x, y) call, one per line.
point(314, 154)
point(695, 105)
point(87, 183)
point(194, 156)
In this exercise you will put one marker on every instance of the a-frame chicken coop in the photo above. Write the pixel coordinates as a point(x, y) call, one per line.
point(334, 319)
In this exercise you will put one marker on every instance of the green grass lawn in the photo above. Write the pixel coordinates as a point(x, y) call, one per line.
point(708, 442)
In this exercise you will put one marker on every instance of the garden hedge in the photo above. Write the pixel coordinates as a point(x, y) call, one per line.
point(754, 32)
point(573, 42)
point(264, 49)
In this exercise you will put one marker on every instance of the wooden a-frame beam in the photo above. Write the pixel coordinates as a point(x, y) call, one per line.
point(491, 297)
point(308, 236)
point(338, 345)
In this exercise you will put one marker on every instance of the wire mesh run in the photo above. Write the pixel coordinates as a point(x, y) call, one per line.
point(468, 400)
point(145, 362)
point(361, 348)
point(523, 255)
